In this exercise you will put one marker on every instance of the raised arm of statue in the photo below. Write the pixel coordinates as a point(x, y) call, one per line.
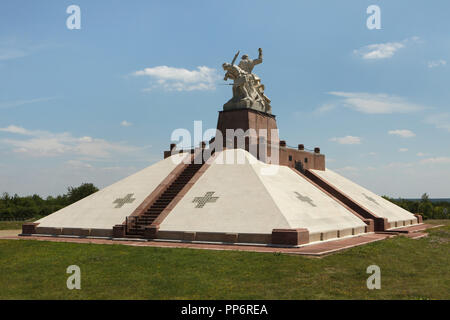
point(260, 57)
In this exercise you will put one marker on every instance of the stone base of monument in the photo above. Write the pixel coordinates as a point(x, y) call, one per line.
point(262, 123)
point(235, 104)
point(223, 202)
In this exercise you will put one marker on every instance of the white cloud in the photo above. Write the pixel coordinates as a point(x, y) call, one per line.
point(399, 165)
point(379, 50)
point(348, 171)
point(375, 103)
point(16, 129)
point(421, 154)
point(78, 164)
point(86, 139)
point(437, 160)
point(180, 79)
point(11, 53)
point(325, 108)
point(125, 123)
point(403, 150)
point(440, 121)
point(437, 63)
point(14, 49)
point(17, 103)
point(116, 168)
point(47, 144)
point(402, 133)
point(382, 50)
point(347, 140)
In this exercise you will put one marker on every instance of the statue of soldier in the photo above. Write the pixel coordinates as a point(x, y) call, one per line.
point(247, 64)
point(247, 88)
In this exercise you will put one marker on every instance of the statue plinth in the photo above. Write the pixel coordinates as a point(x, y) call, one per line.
point(237, 104)
point(246, 119)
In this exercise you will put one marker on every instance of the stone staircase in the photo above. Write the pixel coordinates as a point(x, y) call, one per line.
point(135, 225)
point(379, 224)
point(414, 231)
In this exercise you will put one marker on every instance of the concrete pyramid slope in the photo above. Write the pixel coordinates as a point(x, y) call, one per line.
point(101, 210)
point(381, 207)
point(255, 198)
point(303, 204)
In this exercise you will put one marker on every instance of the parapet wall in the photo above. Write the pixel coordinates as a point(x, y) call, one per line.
point(301, 159)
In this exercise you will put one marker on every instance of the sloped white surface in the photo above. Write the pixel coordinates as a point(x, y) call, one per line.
point(253, 202)
point(98, 210)
point(304, 205)
point(371, 201)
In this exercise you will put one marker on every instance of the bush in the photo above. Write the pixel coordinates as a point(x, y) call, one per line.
point(22, 208)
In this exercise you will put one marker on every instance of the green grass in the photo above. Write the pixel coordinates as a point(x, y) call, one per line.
point(438, 221)
point(11, 225)
point(410, 269)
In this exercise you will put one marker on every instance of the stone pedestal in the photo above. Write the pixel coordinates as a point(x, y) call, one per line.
point(419, 218)
point(119, 231)
point(29, 228)
point(291, 237)
point(246, 119)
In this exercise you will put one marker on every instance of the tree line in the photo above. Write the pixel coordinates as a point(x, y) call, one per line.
point(427, 208)
point(34, 207)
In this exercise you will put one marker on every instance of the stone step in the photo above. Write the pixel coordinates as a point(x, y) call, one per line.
point(172, 194)
point(139, 223)
point(152, 216)
point(159, 205)
point(166, 202)
point(145, 223)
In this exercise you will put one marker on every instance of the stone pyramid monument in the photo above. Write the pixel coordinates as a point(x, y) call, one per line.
point(245, 186)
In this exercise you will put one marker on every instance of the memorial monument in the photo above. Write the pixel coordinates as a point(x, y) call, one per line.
point(193, 195)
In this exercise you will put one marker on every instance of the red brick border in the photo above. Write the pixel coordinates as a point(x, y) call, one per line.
point(316, 249)
point(291, 237)
point(419, 218)
point(29, 227)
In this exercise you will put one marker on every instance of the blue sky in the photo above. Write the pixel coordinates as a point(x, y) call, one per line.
point(99, 103)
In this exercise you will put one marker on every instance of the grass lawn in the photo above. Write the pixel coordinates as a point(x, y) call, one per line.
point(410, 269)
point(11, 225)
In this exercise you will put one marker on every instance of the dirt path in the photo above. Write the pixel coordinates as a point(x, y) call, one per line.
point(9, 233)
